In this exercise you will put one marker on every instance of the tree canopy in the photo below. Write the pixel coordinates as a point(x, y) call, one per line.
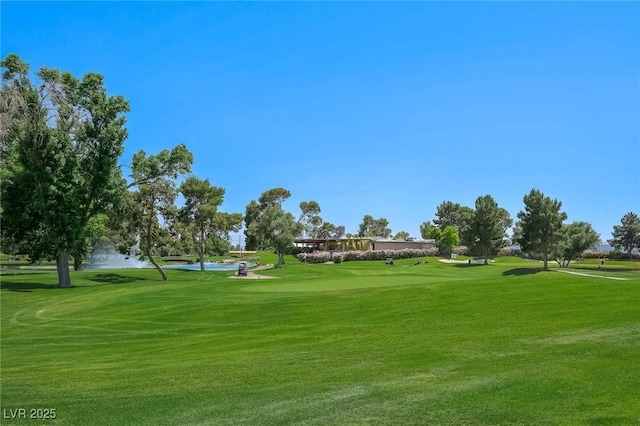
point(153, 180)
point(447, 240)
point(310, 217)
point(201, 202)
point(268, 225)
point(488, 227)
point(326, 230)
point(574, 239)
point(539, 224)
point(429, 231)
point(371, 227)
point(402, 235)
point(449, 213)
point(276, 228)
point(270, 197)
point(61, 138)
point(626, 236)
point(274, 196)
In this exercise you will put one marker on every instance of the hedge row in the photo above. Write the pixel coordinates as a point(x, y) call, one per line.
point(344, 256)
point(613, 255)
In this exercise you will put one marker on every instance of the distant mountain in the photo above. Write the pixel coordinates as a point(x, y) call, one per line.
point(607, 247)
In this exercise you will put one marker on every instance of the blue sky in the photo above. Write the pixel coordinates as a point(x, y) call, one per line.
point(380, 108)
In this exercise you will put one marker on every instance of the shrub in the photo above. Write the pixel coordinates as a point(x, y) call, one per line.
point(344, 256)
point(623, 255)
point(510, 251)
point(461, 250)
point(314, 257)
point(297, 250)
point(595, 254)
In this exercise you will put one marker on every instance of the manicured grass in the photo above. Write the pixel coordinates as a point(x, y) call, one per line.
point(352, 343)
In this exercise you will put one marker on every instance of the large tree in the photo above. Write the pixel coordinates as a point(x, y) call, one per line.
point(153, 180)
point(371, 227)
point(447, 240)
point(224, 223)
point(274, 197)
point(271, 197)
point(276, 228)
point(251, 213)
point(326, 230)
point(201, 202)
point(310, 217)
point(453, 214)
point(539, 224)
point(488, 227)
point(626, 236)
point(429, 231)
point(575, 238)
point(61, 138)
point(402, 235)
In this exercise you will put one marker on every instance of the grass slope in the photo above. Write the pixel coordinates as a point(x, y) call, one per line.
point(352, 343)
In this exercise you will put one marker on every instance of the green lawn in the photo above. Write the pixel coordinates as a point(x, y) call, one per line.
point(353, 343)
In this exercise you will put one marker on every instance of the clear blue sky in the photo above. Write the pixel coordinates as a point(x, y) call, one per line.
point(381, 108)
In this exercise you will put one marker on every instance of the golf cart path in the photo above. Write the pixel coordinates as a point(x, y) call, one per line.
point(253, 276)
point(582, 274)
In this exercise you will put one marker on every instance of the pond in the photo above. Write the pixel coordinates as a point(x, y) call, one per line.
point(208, 266)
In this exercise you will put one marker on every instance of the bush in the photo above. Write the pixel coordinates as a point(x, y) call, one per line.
point(297, 250)
point(619, 255)
point(314, 257)
point(612, 255)
point(595, 255)
point(344, 256)
point(510, 251)
point(461, 250)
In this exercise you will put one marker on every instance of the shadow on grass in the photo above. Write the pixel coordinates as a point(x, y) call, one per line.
point(114, 279)
point(522, 271)
point(27, 287)
point(9, 274)
point(468, 265)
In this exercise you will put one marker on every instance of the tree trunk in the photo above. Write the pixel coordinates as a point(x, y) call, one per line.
point(280, 260)
point(158, 267)
point(148, 254)
point(62, 265)
point(201, 251)
point(546, 260)
point(77, 262)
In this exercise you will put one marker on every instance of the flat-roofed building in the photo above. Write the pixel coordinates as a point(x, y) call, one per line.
point(377, 243)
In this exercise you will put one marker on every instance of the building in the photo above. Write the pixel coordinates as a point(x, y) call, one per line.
point(377, 243)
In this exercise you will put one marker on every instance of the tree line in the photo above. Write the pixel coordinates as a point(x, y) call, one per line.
point(540, 230)
point(63, 193)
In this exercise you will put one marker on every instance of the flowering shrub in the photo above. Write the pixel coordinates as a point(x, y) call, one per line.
point(461, 250)
point(315, 257)
point(595, 254)
point(344, 256)
point(510, 251)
